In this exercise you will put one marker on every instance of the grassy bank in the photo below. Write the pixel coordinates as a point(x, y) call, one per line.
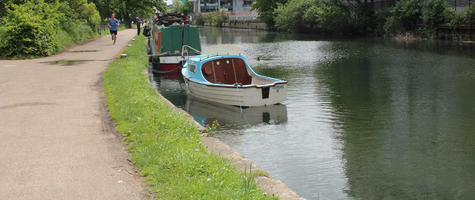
point(163, 143)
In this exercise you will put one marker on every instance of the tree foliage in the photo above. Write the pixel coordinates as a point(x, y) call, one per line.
point(183, 7)
point(435, 13)
point(470, 15)
point(405, 15)
point(327, 17)
point(29, 29)
point(129, 9)
point(266, 9)
point(43, 27)
point(289, 17)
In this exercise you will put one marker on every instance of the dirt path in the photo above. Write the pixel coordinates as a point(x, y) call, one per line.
point(55, 138)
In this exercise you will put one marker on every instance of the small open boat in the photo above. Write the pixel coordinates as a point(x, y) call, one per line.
point(229, 80)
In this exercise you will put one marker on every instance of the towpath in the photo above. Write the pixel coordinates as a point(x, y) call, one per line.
point(56, 139)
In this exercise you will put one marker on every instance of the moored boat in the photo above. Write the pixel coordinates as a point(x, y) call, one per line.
point(169, 35)
point(230, 80)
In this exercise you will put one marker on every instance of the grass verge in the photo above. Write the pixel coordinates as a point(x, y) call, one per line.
point(163, 143)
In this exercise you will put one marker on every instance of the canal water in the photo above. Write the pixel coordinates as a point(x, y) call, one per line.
point(364, 119)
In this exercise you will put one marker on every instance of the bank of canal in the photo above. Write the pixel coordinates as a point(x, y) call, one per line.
point(163, 143)
point(364, 119)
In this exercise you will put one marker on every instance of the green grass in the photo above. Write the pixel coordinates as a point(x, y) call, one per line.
point(163, 143)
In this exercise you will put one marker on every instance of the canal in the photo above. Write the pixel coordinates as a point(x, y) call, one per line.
point(364, 119)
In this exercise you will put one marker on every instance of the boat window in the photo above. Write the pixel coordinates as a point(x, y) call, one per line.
point(192, 68)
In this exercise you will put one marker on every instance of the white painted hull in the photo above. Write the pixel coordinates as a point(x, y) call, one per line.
point(170, 59)
point(238, 96)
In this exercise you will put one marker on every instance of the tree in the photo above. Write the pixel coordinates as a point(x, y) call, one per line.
point(434, 13)
point(183, 7)
point(159, 5)
point(405, 16)
point(266, 9)
point(5, 4)
point(103, 7)
point(129, 9)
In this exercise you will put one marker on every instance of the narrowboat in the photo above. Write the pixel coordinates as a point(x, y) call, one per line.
point(230, 80)
point(169, 34)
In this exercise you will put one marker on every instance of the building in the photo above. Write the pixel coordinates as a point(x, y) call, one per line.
point(203, 6)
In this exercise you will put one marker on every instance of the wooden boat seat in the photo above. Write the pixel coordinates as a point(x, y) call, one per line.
point(227, 71)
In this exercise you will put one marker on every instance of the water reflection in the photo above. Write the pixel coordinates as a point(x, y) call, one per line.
point(405, 119)
point(233, 117)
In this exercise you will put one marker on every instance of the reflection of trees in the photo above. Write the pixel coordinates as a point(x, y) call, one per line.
point(406, 121)
point(213, 36)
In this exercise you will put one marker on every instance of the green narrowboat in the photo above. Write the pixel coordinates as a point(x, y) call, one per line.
point(169, 34)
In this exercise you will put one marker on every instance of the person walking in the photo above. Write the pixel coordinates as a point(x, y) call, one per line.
point(113, 26)
point(138, 21)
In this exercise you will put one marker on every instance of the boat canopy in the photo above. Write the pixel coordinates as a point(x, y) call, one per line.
point(170, 39)
point(226, 71)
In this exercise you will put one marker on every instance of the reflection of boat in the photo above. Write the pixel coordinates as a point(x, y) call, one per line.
point(229, 80)
point(206, 112)
point(169, 34)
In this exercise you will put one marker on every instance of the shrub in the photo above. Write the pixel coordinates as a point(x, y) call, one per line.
point(363, 17)
point(184, 7)
point(435, 13)
point(380, 19)
point(404, 16)
point(325, 16)
point(469, 17)
point(78, 32)
point(29, 29)
point(209, 18)
point(200, 19)
point(289, 17)
point(220, 19)
point(266, 9)
point(456, 20)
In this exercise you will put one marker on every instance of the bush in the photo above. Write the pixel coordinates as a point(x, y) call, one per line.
point(220, 19)
point(266, 10)
point(327, 17)
point(404, 16)
point(363, 18)
point(469, 17)
point(77, 33)
point(435, 13)
point(184, 7)
point(289, 17)
point(37, 28)
point(457, 19)
point(200, 19)
point(209, 18)
point(380, 19)
point(29, 30)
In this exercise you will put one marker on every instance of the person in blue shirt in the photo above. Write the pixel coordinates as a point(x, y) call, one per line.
point(113, 26)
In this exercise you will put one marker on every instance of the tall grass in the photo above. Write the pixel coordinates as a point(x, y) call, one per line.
point(163, 143)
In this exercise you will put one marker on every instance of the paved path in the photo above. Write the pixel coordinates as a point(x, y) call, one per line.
point(56, 141)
